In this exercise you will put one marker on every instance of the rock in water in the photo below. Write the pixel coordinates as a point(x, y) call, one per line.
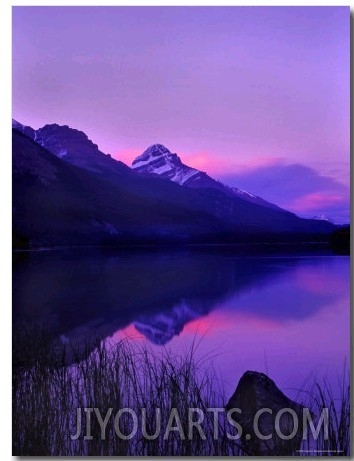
point(256, 394)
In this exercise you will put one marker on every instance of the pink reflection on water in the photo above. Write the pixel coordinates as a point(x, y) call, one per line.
point(129, 332)
point(244, 333)
point(294, 353)
point(217, 322)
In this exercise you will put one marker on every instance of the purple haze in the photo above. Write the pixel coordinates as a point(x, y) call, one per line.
point(244, 93)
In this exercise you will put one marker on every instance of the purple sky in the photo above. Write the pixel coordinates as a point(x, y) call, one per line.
point(257, 97)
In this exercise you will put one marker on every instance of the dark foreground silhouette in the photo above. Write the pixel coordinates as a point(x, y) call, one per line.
point(49, 399)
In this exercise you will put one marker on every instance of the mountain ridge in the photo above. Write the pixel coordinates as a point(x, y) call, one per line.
point(159, 160)
point(89, 198)
point(73, 146)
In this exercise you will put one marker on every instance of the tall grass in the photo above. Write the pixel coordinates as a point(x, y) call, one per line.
point(322, 397)
point(51, 380)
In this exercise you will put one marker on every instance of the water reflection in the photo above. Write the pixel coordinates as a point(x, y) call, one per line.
point(90, 293)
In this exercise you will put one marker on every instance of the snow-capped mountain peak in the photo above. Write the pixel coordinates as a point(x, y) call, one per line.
point(156, 150)
point(159, 160)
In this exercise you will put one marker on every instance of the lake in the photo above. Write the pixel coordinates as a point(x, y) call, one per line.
point(283, 313)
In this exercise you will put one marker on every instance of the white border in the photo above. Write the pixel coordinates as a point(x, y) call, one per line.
point(5, 169)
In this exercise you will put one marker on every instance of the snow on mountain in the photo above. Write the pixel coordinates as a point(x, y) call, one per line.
point(252, 198)
point(101, 198)
point(27, 159)
point(322, 217)
point(158, 160)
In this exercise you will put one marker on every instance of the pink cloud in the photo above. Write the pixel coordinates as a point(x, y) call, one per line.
point(201, 160)
point(212, 164)
point(209, 162)
point(255, 163)
point(315, 201)
point(126, 155)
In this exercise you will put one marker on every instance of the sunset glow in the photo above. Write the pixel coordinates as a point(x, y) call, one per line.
point(232, 91)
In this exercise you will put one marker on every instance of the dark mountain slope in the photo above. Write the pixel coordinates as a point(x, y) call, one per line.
point(73, 146)
point(58, 203)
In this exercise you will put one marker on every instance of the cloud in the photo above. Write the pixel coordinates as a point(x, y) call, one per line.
point(296, 187)
point(315, 201)
point(126, 155)
point(213, 164)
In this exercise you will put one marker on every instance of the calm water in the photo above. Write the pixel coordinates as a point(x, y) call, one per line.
point(285, 315)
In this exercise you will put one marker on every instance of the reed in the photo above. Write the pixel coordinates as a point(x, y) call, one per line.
point(51, 380)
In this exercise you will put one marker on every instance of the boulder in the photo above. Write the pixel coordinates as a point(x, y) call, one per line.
point(256, 394)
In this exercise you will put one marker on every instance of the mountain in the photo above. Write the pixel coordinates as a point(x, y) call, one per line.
point(248, 211)
point(57, 203)
point(162, 327)
point(158, 160)
point(73, 146)
point(27, 130)
point(322, 217)
point(67, 192)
